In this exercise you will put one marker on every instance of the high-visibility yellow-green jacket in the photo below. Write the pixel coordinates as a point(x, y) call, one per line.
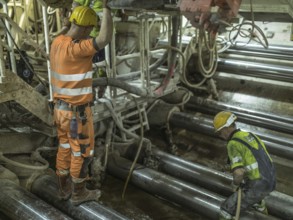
point(240, 154)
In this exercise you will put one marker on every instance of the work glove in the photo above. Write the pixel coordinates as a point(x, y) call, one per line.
point(234, 187)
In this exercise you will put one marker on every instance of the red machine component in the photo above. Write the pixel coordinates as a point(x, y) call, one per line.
point(234, 5)
point(198, 12)
point(195, 6)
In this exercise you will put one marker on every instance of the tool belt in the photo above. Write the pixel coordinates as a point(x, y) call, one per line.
point(78, 110)
point(61, 105)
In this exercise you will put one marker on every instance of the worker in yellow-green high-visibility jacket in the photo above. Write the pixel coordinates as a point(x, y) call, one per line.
point(250, 164)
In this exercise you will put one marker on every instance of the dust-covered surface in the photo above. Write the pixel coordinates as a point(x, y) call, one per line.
point(139, 205)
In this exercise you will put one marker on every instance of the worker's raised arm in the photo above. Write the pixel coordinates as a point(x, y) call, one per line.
point(106, 29)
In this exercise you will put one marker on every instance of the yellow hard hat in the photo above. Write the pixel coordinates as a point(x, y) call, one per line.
point(223, 119)
point(83, 16)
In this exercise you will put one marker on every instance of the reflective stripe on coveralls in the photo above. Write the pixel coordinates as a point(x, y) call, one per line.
point(72, 83)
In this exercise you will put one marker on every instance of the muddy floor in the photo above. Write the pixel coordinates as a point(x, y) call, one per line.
point(139, 205)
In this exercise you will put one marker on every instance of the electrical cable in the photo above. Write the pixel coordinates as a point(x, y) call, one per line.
point(180, 53)
point(191, 45)
point(238, 209)
point(251, 34)
point(207, 73)
point(172, 59)
point(222, 41)
point(25, 166)
point(138, 150)
point(107, 143)
point(116, 120)
point(20, 53)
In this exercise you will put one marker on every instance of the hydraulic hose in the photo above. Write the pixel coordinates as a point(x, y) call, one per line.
point(105, 81)
point(137, 153)
point(211, 70)
point(107, 143)
point(25, 166)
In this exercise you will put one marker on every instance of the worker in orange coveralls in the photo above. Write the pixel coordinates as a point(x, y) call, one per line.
point(71, 68)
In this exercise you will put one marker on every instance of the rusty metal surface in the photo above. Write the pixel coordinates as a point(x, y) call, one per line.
point(199, 12)
point(234, 5)
point(195, 6)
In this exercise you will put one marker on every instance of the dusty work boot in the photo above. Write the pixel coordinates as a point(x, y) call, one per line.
point(81, 194)
point(64, 185)
point(261, 207)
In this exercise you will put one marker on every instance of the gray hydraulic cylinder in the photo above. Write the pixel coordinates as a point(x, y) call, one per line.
point(18, 203)
point(46, 188)
point(278, 204)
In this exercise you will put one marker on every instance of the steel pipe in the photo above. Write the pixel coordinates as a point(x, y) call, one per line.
point(203, 176)
point(265, 120)
point(279, 204)
point(247, 54)
point(257, 57)
point(280, 53)
point(185, 194)
point(18, 203)
point(204, 125)
point(273, 49)
point(267, 71)
point(273, 52)
point(46, 188)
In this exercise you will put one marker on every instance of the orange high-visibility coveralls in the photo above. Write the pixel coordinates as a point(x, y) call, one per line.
point(71, 69)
